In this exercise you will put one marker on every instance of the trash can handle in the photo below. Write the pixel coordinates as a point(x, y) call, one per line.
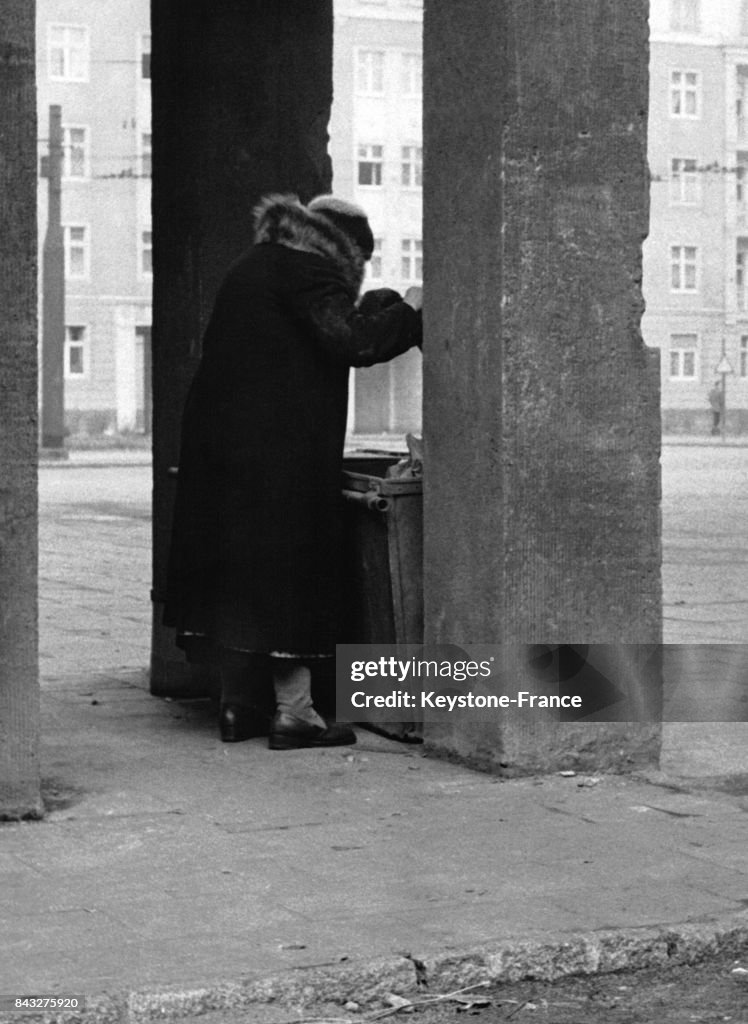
point(372, 500)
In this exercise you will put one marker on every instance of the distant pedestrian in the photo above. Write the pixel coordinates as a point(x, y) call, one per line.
point(717, 405)
point(254, 572)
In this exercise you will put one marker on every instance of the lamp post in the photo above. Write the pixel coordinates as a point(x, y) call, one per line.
point(723, 368)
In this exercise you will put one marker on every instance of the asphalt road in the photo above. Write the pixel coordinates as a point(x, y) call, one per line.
point(704, 516)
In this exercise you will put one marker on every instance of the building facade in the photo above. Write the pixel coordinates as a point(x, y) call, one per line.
point(696, 255)
point(93, 60)
point(377, 159)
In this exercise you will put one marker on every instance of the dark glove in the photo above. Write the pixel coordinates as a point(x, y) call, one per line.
point(377, 299)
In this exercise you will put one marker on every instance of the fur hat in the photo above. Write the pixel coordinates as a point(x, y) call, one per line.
point(348, 218)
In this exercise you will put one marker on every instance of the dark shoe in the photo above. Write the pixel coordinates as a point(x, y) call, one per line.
point(290, 733)
point(237, 723)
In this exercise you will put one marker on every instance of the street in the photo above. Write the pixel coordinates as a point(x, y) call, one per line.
point(95, 555)
point(95, 542)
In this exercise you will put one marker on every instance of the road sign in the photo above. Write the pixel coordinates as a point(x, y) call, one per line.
point(724, 366)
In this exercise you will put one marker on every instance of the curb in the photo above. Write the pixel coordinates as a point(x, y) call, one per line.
point(303, 989)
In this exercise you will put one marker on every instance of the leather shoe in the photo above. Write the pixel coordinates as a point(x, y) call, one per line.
point(237, 723)
point(290, 733)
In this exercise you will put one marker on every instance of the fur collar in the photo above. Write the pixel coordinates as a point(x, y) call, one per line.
point(284, 220)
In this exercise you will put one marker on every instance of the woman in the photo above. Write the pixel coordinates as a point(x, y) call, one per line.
point(255, 545)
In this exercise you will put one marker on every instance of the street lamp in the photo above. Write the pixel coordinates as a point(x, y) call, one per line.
point(723, 368)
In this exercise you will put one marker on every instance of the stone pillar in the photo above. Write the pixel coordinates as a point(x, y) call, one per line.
point(541, 404)
point(19, 682)
point(241, 101)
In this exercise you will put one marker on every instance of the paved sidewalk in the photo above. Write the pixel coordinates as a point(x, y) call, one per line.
point(196, 873)
point(174, 873)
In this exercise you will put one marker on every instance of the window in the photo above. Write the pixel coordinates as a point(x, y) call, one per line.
point(375, 263)
point(683, 266)
point(684, 15)
point(77, 245)
point(741, 102)
point(741, 182)
point(741, 274)
point(74, 152)
point(67, 53)
point(411, 261)
point(411, 74)
point(685, 94)
point(370, 160)
point(146, 253)
point(683, 356)
point(145, 56)
point(76, 355)
point(743, 357)
point(744, 17)
point(370, 72)
point(684, 181)
point(146, 153)
point(411, 174)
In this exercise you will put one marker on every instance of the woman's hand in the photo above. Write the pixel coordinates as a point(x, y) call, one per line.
point(414, 297)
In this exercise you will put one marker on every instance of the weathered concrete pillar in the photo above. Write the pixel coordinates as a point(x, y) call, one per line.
point(541, 405)
point(241, 100)
point(19, 683)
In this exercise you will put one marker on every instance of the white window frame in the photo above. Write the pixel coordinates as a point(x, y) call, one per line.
point(683, 264)
point(411, 166)
point(411, 79)
point(741, 185)
point(680, 376)
point(145, 152)
point(83, 344)
point(743, 15)
point(67, 49)
point(682, 90)
point(743, 356)
point(143, 248)
point(375, 266)
point(86, 247)
point(679, 181)
point(681, 12)
point(411, 253)
point(741, 105)
point(369, 157)
point(366, 61)
point(143, 51)
point(67, 148)
point(741, 277)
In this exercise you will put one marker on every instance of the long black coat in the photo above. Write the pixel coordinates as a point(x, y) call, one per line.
point(254, 557)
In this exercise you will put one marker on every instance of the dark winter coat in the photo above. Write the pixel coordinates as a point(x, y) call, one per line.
point(254, 556)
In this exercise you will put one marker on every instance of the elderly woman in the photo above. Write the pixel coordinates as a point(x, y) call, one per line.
point(254, 565)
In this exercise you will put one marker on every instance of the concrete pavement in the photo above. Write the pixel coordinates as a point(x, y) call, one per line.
point(174, 873)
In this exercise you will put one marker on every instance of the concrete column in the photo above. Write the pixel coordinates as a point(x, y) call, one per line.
point(19, 683)
point(541, 403)
point(241, 101)
point(125, 368)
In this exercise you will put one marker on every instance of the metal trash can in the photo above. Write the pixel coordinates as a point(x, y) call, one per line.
point(384, 563)
point(384, 540)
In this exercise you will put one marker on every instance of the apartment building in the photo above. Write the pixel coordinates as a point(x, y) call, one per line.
point(696, 256)
point(377, 158)
point(93, 60)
